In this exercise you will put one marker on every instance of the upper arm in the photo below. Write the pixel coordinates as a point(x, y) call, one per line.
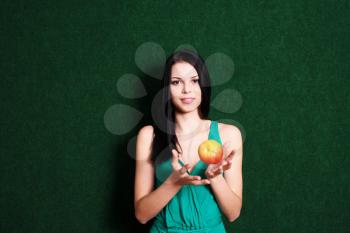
point(233, 176)
point(144, 171)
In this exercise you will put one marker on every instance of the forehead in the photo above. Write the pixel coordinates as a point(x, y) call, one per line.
point(183, 70)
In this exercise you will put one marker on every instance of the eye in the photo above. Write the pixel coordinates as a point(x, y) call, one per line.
point(175, 82)
point(195, 80)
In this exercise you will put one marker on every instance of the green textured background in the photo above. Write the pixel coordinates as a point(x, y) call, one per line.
point(63, 171)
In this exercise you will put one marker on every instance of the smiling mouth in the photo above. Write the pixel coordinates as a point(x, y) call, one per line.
point(187, 100)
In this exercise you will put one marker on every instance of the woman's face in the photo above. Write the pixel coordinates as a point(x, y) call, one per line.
point(185, 91)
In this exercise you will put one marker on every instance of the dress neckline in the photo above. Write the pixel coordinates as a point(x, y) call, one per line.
point(195, 166)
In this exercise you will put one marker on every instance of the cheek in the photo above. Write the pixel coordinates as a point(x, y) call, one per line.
point(198, 94)
point(198, 91)
point(174, 92)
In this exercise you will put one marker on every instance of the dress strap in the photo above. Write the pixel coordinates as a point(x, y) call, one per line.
point(214, 132)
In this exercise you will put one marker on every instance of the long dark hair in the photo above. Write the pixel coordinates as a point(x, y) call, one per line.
point(163, 110)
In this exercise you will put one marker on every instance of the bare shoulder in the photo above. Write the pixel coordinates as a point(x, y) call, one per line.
point(144, 142)
point(231, 133)
point(146, 132)
point(229, 130)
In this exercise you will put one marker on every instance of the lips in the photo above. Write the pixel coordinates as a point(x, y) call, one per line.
point(187, 100)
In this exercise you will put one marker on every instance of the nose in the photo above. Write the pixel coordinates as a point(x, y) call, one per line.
point(186, 88)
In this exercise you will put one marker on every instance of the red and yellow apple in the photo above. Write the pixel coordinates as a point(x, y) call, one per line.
point(210, 151)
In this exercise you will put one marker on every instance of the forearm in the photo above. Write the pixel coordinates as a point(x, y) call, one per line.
point(150, 205)
point(229, 202)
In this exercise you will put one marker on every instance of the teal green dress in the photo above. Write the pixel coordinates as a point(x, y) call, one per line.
point(193, 208)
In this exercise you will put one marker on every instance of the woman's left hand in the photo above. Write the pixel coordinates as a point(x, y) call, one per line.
point(214, 170)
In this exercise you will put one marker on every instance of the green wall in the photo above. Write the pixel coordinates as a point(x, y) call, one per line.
point(62, 170)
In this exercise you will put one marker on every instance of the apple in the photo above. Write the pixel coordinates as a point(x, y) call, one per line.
point(210, 151)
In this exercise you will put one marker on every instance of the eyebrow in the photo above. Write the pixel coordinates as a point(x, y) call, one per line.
point(181, 78)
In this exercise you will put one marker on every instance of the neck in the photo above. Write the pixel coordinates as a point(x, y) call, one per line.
point(188, 123)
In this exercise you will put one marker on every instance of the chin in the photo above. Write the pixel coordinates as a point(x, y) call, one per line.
point(186, 109)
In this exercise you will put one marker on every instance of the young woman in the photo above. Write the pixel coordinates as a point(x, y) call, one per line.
point(172, 185)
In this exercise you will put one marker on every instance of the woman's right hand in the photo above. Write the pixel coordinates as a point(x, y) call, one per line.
point(179, 175)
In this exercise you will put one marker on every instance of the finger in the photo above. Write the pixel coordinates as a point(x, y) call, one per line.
point(191, 179)
point(195, 182)
point(194, 178)
point(174, 156)
point(205, 181)
point(220, 170)
point(184, 169)
point(213, 171)
point(228, 166)
point(230, 156)
point(175, 153)
point(229, 162)
point(200, 182)
point(216, 170)
point(187, 167)
point(210, 174)
point(175, 161)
